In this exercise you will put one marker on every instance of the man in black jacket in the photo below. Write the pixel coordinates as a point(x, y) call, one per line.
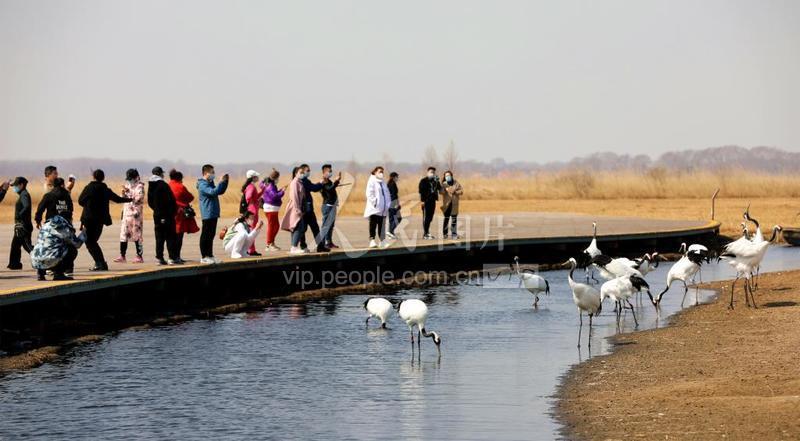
point(94, 199)
point(429, 188)
point(161, 200)
point(23, 227)
point(55, 202)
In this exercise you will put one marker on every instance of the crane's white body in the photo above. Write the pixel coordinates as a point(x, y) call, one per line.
point(619, 267)
point(586, 298)
point(620, 290)
point(592, 250)
point(415, 312)
point(683, 270)
point(534, 283)
point(380, 308)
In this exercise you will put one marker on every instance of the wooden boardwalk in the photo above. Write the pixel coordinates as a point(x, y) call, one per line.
point(351, 234)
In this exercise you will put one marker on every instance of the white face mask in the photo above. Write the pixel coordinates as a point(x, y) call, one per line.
point(379, 175)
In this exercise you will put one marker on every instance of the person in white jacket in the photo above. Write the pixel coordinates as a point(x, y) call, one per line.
point(377, 207)
point(242, 237)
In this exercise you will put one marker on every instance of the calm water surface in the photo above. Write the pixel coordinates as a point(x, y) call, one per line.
point(312, 370)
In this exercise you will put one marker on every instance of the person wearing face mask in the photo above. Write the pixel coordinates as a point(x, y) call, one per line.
point(273, 198)
point(132, 217)
point(23, 227)
point(162, 201)
point(394, 207)
point(293, 219)
point(451, 193)
point(429, 188)
point(209, 211)
point(251, 199)
point(330, 202)
point(309, 215)
point(377, 207)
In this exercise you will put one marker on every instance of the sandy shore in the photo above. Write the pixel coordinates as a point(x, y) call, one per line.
point(712, 374)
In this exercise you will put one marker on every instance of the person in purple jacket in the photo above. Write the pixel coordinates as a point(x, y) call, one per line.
point(273, 198)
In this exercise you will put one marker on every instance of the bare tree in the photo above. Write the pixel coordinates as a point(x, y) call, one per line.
point(450, 157)
point(430, 157)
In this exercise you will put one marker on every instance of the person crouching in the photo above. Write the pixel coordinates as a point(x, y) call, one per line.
point(56, 248)
point(239, 241)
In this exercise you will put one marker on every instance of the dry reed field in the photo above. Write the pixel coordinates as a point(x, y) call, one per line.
point(657, 193)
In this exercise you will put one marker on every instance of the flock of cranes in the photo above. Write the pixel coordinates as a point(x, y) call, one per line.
point(624, 278)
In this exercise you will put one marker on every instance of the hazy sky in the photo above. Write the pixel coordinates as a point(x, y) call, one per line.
point(314, 80)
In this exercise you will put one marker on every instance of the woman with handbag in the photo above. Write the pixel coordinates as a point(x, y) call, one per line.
point(185, 216)
point(132, 217)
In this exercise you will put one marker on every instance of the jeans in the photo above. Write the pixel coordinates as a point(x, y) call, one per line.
point(207, 233)
point(93, 232)
point(428, 209)
point(394, 219)
point(299, 233)
point(165, 234)
point(376, 227)
point(328, 221)
point(452, 219)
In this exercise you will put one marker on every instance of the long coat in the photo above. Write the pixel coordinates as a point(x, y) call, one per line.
point(378, 198)
point(132, 212)
point(294, 208)
point(182, 199)
point(451, 193)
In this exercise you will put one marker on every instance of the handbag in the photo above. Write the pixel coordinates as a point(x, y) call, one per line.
point(189, 212)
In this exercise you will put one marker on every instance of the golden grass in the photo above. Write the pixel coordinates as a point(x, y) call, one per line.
point(655, 194)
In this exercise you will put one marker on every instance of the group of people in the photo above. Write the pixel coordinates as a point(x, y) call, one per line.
point(173, 215)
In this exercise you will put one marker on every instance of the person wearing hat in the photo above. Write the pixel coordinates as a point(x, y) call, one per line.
point(161, 200)
point(23, 227)
point(251, 199)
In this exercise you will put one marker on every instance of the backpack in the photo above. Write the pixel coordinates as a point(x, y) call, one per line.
point(229, 233)
point(243, 204)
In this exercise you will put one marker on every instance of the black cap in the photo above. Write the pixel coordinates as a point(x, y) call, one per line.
point(158, 171)
point(19, 180)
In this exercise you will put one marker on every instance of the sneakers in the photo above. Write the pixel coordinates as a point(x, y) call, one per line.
point(323, 249)
point(137, 259)
point(271, 247)
point(174, 262)
point(428, 237)
point(386, 244)
point(208, 260)
point(254, 254)
point(120, 259)
point(162, 262)
point(298, 250)
point(61, 276)
point(391, 236)
point(373, 244)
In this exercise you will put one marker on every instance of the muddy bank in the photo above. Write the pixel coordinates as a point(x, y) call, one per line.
point(712, 374)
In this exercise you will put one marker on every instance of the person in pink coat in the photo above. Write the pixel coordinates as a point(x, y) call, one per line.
point(252, 196)
point(132, 217)
point(293, 217)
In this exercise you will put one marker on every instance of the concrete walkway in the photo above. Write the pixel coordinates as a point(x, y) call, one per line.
point(351, 234)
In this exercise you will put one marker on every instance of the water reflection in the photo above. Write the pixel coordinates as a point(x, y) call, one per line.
point(312, 370)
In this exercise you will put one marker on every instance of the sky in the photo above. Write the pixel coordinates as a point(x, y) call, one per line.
point(315, 80)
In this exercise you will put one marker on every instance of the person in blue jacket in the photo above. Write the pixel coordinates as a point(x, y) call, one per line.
point(209, 211)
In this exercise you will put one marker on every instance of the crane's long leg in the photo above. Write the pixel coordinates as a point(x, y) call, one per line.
point(633, 313)
point(753, 298)
point(536, 301)
point(590, 329)
point(367, 322)
point(411, 330)
point(685, 290)
point(580, 328)
point(732, 287)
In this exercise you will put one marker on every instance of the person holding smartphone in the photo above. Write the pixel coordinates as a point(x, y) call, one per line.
point(209, 210)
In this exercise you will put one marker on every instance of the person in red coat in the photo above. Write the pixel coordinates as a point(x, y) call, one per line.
point(183, 224)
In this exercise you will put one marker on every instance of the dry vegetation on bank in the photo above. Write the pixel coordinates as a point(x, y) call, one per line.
point(658, 193)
